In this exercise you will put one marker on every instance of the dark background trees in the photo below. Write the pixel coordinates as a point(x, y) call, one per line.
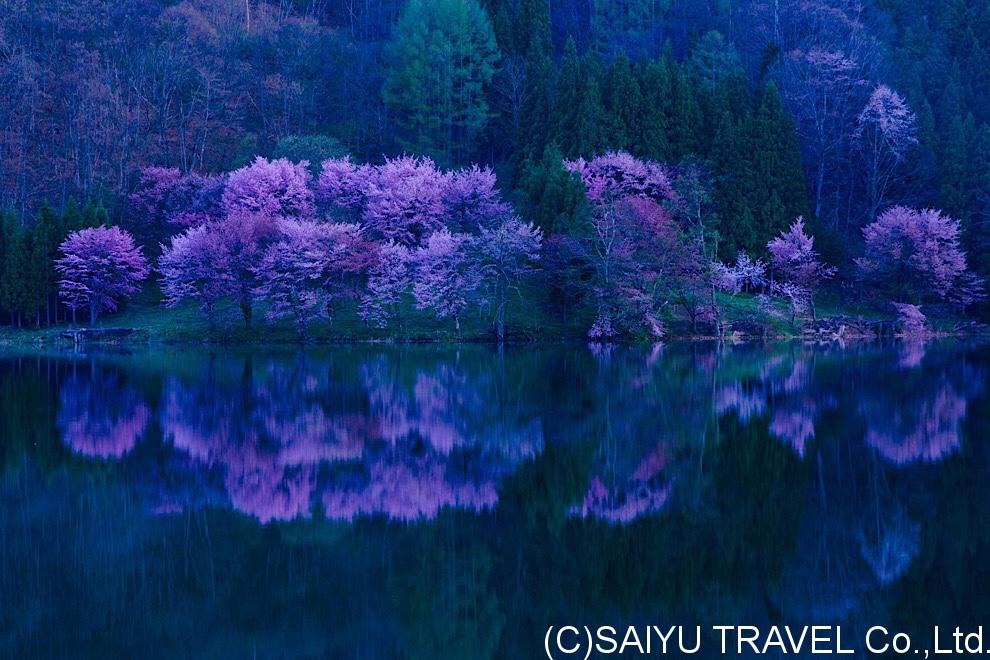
point(766, 95)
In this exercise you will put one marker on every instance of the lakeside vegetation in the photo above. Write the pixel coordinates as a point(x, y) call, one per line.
point(500, 172)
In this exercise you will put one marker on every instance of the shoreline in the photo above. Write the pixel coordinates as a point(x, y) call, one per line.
point(137, 337)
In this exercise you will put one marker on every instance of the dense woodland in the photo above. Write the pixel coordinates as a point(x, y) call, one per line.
point(620, 165)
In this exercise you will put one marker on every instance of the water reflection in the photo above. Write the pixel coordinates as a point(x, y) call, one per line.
point(99, 416)
point(405, 433)
point(463, 498)
point(365, 436)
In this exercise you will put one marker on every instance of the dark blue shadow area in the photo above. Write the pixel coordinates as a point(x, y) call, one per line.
point(438, 502)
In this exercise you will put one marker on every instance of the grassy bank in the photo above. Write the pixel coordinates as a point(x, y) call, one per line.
point(147, 321)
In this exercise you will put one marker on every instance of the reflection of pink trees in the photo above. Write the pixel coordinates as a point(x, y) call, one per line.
point(927, 431)
point(447, 409)
point(622, 505)
point(910, 353)
point(746, 401)
point(407, 490)
point(796, 427)
point(269, 490)
point(425, 409)
point(785, 393)
point(644, 492)
point(103, 420)
point(402, 447)
point(269, 452)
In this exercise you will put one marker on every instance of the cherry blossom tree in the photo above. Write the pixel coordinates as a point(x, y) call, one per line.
point(290, 274)
point(276, 189)
point(793, 256)
point(196, 265)
point(506, 255)
point(100, 266)
point(910, 318)
point(472, 200)
point(797, 297)
point(348, 256)
point(446, 275)
point(885, 131)
point(389, 279)
point(405, 200)
point(299, 273)
point(747, 274)
point(915, 254)
point(619, 174)
point(247, 235)
point(636, 245)
point(344, 185)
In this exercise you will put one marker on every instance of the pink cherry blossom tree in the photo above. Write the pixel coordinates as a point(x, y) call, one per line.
point(344, 185)
point(824, 84)
point(100, 266)
point(916, 254)
point(635, 244)
point(472, 200)
point(794, 258)
point(447, 276)
point(619, 174)
point(747, 274)
point(405, 200)
point(247, 235)
point(275, 189)
point(885, 130)
point(290, 274)
point(910, 318)
point(299, 273)
point(506, 255)
point(389, 280)
point(196, 265)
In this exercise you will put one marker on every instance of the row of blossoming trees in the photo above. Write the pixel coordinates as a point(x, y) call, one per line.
point(405, 232)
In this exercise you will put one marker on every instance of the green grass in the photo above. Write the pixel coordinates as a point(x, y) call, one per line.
point(526, 321)
point(185, 323)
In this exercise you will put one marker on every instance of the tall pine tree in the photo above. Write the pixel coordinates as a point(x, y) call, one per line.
point(654, 129)
point(443, 59)
point(624, 105)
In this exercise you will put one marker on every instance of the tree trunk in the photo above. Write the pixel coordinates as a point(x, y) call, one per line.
point(92, 311)
point(819, 185)
point(246, 311)
point(500, 317)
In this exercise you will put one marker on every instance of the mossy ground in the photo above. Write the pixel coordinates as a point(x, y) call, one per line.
point(526, 321)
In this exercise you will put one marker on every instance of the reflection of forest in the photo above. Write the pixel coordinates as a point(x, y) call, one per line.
point(691, 482)
point(406, 433)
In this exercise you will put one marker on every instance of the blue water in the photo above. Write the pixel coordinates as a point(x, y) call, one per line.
point(453, 502)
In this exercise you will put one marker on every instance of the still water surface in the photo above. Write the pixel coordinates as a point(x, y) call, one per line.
point(452, 502)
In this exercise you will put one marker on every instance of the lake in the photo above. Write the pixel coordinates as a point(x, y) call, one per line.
point(382, 501)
